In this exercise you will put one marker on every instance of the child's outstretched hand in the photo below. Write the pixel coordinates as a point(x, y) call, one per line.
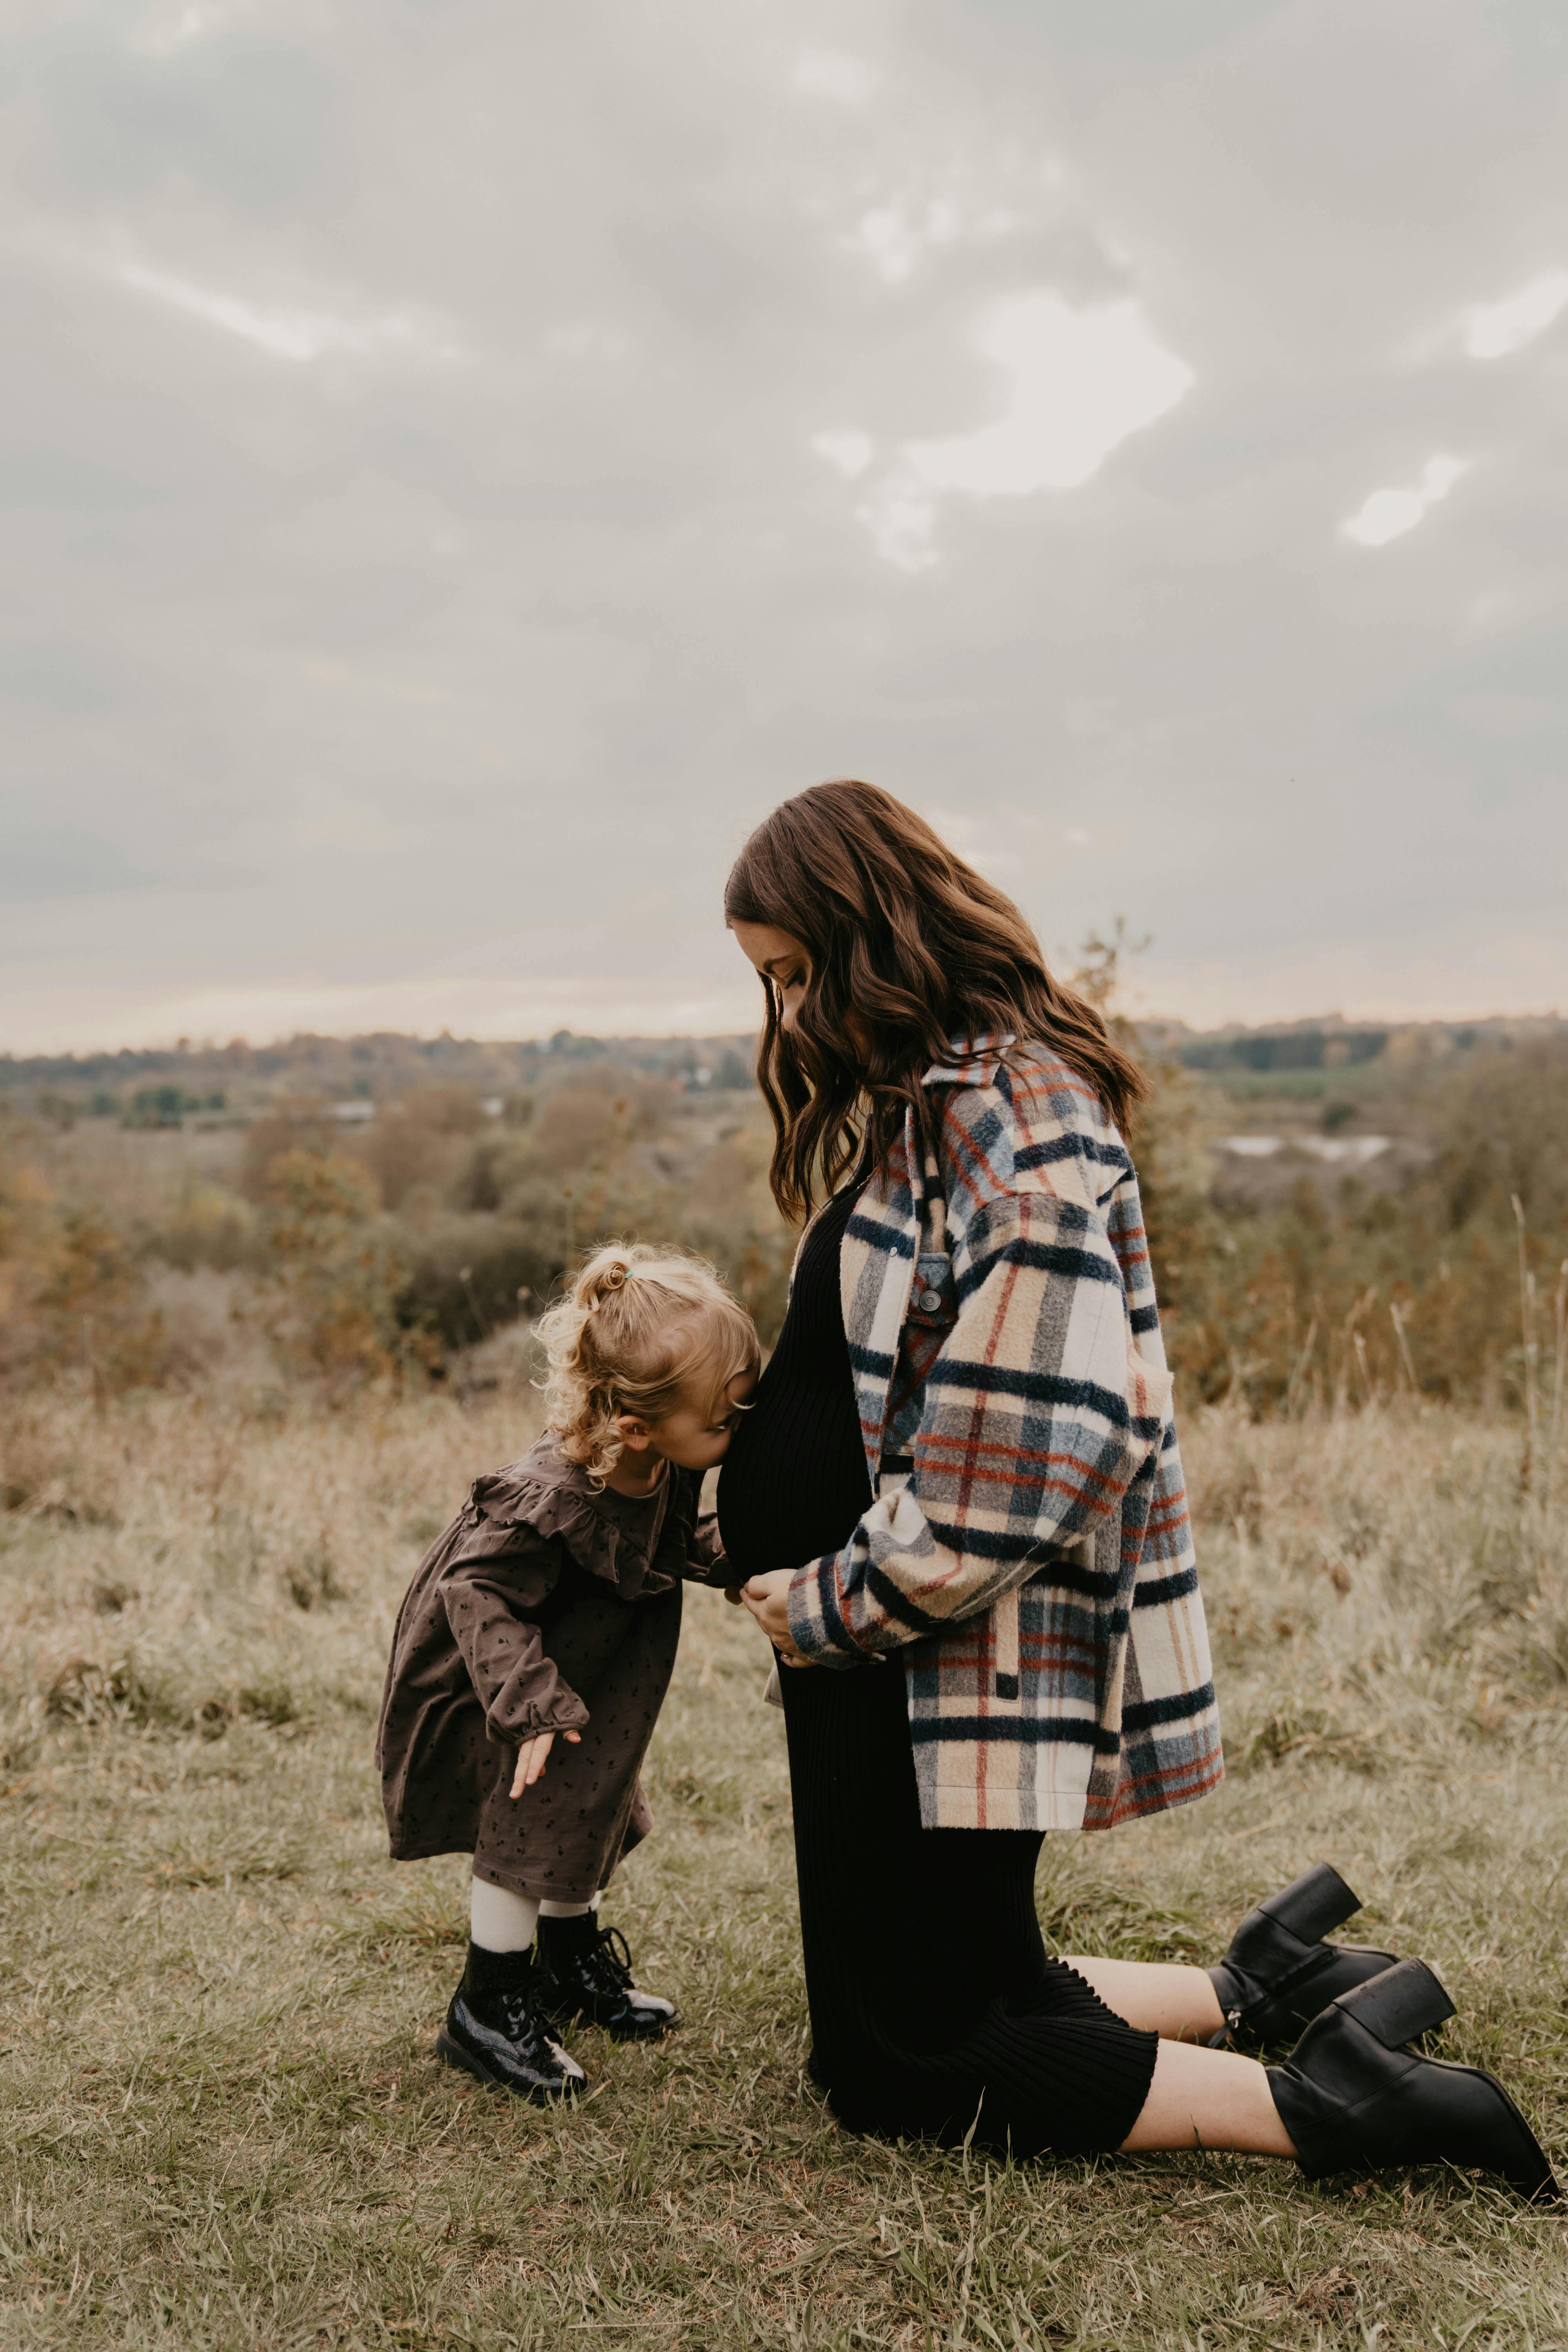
point(531, 1758)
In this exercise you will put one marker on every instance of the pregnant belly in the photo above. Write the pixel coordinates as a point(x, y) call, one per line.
point(794, 1483)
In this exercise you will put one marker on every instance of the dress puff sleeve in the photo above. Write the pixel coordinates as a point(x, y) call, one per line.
point(705, 1560)
point(492, 1589)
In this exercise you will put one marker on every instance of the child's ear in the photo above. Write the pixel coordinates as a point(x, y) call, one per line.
point(634, 1431)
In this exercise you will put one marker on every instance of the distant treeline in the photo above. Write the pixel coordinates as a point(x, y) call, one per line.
point(1288, 1049)
point(388, 1060)
point(1332, 1046)
point(343, 1248)
point(384, 1063)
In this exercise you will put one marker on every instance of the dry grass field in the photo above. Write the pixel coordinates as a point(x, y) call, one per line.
point(225, 2127)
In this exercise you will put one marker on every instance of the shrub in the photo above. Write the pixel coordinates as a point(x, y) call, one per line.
point(1503, 1131)
point(465, 1276)
point(418, 1141)
point(335, 1268)
point(210, 1227)
point(1346, 1292)
point(70, 1294)
point(294, 1123)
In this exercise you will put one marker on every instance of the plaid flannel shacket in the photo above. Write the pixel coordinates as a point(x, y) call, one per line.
point(1035, 1568)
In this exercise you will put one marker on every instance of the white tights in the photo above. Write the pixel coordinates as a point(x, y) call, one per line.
point(499, 1921)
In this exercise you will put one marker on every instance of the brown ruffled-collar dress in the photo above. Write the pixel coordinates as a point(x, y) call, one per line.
point(547, 1605)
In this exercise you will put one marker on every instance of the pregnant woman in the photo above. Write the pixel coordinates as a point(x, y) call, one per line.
point(959, 1503)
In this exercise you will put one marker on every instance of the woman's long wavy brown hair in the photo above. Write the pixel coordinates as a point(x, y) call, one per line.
point(909, 947)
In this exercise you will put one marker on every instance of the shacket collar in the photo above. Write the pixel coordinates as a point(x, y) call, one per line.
point(972, 1061)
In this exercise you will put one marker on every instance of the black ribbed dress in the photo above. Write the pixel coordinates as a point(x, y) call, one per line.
point(933, 2002)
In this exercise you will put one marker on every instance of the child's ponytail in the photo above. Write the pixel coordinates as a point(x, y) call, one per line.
point(604, 1274)
point(640, 1330)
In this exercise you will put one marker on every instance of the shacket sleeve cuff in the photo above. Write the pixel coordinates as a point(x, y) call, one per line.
point(817, 1625)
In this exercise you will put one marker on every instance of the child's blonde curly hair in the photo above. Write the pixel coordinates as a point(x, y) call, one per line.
point(641, 1331)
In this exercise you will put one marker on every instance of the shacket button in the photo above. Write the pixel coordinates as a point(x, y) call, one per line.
point(930, 1301)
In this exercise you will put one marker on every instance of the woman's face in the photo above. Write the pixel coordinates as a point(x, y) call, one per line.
point(782, 959)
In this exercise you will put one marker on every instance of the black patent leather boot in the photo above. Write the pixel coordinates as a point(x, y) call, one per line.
point(585, 1970)
point(1354, 2098)
point(1279, 1973)
point(495, 2030)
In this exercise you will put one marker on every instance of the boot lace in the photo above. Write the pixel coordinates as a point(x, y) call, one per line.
point(521, 2021)
point(609, 1963)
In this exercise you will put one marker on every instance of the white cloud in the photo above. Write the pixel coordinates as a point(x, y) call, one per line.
point(834, 74)
point(1390, 513)
point(1492, 330)
point(901, 515)
point(286, 331)
point(894, 237)
point(172, 24)
point(846, 447)
point(1081, 382)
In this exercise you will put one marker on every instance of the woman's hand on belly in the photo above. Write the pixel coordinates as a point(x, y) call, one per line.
point(767, 1598)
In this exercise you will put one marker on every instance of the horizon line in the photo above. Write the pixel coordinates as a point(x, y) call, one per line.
point(194, 1047)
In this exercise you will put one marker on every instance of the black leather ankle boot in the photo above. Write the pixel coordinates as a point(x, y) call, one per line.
point(495, 2029)
point(585, 1970)
point(1279, 1973)
point(1353, 2098)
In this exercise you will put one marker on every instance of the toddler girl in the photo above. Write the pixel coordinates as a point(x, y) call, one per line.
point(549, 1611)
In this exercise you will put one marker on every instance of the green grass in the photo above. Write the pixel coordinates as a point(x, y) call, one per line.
point(225, 2126)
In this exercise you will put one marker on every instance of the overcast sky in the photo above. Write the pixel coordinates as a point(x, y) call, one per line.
point(464, 460)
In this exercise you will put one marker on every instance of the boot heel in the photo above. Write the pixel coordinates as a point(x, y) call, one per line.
point(1312, 1904)
point(1401, 2003)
